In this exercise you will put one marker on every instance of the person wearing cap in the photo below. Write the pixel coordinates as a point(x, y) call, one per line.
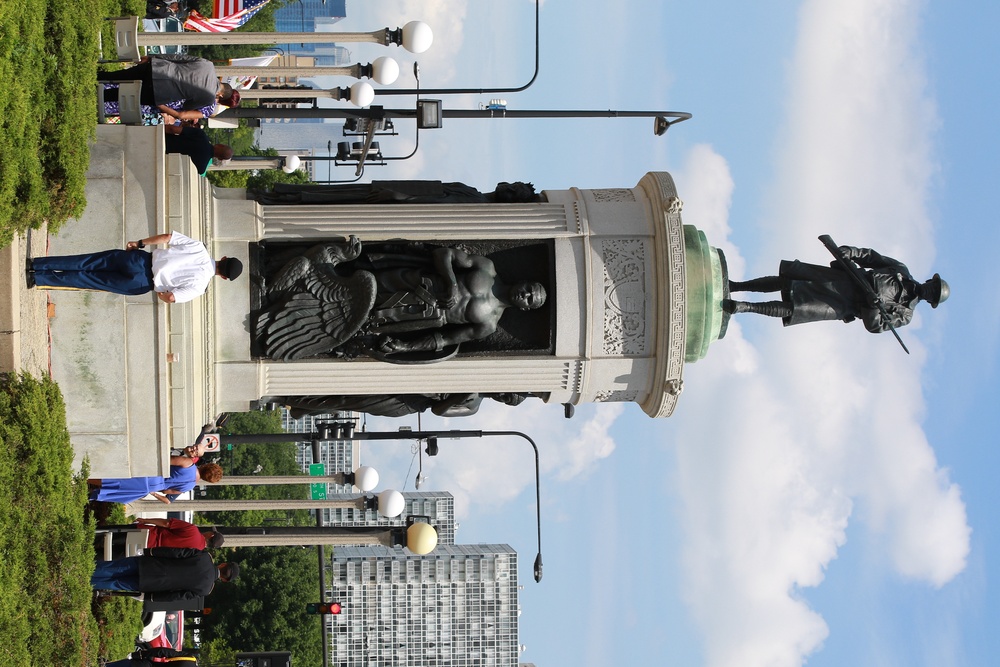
point(178, 273)
point(164, 574)
point(812, 293)
point(192, 141)
point(172, 78)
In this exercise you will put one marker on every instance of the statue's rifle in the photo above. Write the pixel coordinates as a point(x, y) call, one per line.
point(861, 278)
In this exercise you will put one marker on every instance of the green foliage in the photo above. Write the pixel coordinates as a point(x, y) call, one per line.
point(274, 459)
point(216, 652)
point(264, 610)
point(256, 179)
point(47, 557)
point(48, 51)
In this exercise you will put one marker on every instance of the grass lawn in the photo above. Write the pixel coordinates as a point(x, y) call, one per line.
point(48, 54)
point(46, 545)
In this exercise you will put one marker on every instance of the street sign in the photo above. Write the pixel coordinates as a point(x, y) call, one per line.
point(211, 442)
point(317, 491)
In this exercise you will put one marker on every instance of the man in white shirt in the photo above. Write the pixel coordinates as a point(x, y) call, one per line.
point(178, 273)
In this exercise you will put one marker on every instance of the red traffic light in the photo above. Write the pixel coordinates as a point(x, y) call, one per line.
point(323, 608)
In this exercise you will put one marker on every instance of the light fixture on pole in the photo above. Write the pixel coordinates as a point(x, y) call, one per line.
point(292, 164)
point(360, 94)
point(415, 37)
point(382, 70)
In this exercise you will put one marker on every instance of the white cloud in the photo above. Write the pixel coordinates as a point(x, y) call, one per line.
point(446, 20)
point(782, 437)
point(706, 187)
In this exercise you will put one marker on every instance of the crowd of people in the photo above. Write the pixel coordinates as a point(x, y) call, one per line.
point(174, 565)
point(178, 91)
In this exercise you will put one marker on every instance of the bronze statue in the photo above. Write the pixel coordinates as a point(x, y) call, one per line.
point(859, 283)
point(335, 300)
point(394, 192)
point(388, 405)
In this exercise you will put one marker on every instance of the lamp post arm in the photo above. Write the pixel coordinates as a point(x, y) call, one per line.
point(538, 495)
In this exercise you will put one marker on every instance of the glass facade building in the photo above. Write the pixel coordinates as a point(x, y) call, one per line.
point(310, 16)
point(456, 607)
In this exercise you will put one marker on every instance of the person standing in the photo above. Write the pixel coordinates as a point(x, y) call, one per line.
point(174, 78)
point(184, 475)
point(164, 574)
point(178, 273)
point(192, 141)
point(179, 534)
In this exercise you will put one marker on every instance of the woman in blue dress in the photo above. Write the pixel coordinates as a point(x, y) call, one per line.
point(184, 474)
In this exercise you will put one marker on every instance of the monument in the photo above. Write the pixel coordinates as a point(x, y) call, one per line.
point(623, 294)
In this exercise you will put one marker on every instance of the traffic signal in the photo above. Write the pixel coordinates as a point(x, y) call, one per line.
point(323, 608)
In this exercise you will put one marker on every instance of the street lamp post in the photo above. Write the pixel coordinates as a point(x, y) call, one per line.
point(662, 119)
point(415, 37)
point(338, 430)
point(382, 70)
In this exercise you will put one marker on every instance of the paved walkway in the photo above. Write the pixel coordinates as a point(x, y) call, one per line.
point(24, 321)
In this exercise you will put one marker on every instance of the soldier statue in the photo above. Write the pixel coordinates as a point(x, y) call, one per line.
point(859, 283)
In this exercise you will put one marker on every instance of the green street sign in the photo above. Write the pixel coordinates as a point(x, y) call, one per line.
point(317, 491)
point(317, 469)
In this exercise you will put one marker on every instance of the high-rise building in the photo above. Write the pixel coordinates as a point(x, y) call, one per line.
point(309, 16)
point(456, 607)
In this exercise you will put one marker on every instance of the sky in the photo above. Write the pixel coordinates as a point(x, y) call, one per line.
point(819, 497)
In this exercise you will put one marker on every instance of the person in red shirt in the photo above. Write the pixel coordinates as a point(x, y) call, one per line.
point(179, 534)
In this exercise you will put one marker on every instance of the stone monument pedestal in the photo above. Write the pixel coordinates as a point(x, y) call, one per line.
point(633, 294)
point(126, 403)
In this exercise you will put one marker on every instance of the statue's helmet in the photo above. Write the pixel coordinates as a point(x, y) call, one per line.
point(936, 290)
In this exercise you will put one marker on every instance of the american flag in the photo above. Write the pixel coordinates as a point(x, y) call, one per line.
point(229, 15)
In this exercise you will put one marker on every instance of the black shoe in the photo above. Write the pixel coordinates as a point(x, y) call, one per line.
point(29, 276)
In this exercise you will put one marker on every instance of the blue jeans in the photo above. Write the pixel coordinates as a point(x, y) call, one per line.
point(116, 575)
point(117, 271)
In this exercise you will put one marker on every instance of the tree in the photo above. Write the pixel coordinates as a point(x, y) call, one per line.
point(264, 609)
point(273, 459)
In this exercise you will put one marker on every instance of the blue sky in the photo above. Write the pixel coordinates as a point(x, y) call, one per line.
point(819, 496)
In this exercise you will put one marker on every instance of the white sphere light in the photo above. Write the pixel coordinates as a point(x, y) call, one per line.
point(362, 94)
point(366, 478)
point(391, 503)
point(417, 37)
point(385, 70)
point(292, 163)
point(421, 538)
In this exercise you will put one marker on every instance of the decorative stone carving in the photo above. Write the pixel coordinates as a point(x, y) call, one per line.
point(624, 297)
point(613, 195)
point(619, 396)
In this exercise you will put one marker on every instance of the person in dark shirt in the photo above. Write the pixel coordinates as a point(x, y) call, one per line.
point(164, 574)
point(192, 141)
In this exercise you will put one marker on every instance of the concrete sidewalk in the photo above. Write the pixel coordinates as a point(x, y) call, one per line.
point(24, 321)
